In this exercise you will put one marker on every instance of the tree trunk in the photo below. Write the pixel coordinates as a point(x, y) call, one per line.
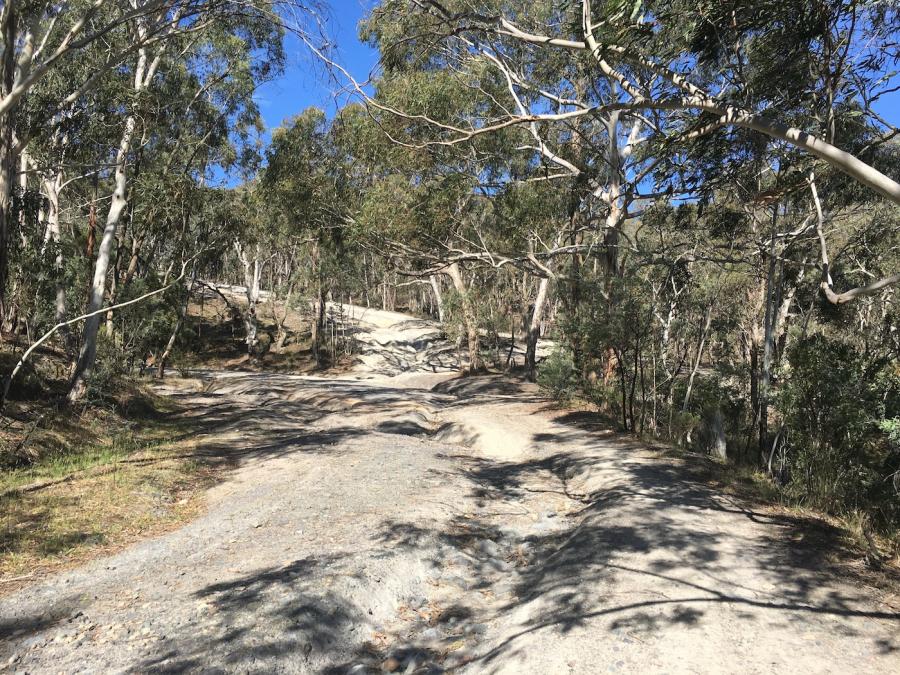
point(782, 319)
point(88, 354)
point(718, 441)
point(315, 334)
point(91, 238)
point(7, 152)
point(7, 179)
point(438, 298)
point(455, 274)
point(768, 350)
point(281, 337)
point(690, 385)
point(143, 74)
point(252, 274)
point(753, 349)
point(52, 188)
point(182, 313)
point(534, 327)
point(318, 316)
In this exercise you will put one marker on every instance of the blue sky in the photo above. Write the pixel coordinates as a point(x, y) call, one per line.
point(305, 82)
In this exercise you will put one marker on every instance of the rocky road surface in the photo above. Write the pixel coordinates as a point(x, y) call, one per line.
point(423, 524)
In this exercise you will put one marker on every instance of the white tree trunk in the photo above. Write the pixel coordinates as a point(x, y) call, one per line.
point(7, 179)
point(143, 74)
point(252, 275)
point(8, 41)
point(471, 325)
point(88, 355)
point(534, 326)
point(697, 359)
point(52, 188)
point(438, 298)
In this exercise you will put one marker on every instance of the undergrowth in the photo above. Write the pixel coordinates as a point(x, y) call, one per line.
point(76, 481)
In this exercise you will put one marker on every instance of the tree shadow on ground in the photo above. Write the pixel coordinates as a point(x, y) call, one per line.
point(646, 544)
point(251, 416)
point(483, 389)
point(642, 544)
point(288, 606)
point(22, 627)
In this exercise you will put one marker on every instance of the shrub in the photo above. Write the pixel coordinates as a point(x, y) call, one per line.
point(556, 376)
point(838, 408)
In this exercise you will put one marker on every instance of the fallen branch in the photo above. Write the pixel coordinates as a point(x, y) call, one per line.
point(21, 444)
point(9, 580)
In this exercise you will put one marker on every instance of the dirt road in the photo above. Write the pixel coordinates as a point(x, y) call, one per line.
point(418, 524)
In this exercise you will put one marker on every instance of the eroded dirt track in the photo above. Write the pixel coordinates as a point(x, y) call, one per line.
point(421, 524)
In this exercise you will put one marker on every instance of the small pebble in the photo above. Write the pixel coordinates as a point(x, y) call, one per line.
point(390, 665)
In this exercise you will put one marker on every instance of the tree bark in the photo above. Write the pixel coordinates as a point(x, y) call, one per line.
point(534, 327)
point(282, 334)
point(7, 150)
point(318, 314)
point(252, 275)
point(696, 367)
point(144, 72)
point(438, 298)
point(7, 180)
point(52, 187)
point(768, 349)
point(471, 325)
point(88, 355)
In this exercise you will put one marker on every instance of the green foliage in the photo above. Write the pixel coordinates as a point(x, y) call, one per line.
point(454, 326)
point(840, 413)
point(891, 427)
point(699, 307)
point(556, 376)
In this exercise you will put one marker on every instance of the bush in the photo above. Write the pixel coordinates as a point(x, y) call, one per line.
point(556, 376)
point(606, 396)
point(683, 425)
point(838, 409)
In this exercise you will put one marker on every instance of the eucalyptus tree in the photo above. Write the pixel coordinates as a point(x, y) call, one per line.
point(744, 72)
point(685, 62)
point(219, 64)
point(42, 40)
point(304, 180)
point(427, 210)
point(712, 96)
point(531, 115)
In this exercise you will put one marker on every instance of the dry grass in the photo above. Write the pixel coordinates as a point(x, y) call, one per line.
point(82, 483)
point(78, 483)
point(68, 522)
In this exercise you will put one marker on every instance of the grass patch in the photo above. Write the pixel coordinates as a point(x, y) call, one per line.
point(63, 465)
point(90, 483)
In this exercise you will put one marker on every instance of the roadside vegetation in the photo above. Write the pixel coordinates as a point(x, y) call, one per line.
point(75, 482)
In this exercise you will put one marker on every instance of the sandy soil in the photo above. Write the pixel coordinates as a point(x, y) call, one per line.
point(399, 519)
